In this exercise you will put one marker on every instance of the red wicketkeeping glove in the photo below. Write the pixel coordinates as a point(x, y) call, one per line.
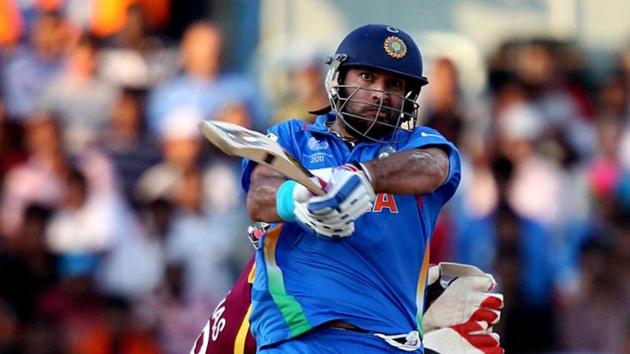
point(461, 317)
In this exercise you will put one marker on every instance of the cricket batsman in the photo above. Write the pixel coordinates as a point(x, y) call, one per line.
point(347, 272)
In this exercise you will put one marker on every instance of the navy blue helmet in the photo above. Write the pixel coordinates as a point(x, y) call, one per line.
point(378, 47)
point(383, 47)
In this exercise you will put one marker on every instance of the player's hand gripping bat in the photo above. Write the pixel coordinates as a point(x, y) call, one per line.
point(235, 140)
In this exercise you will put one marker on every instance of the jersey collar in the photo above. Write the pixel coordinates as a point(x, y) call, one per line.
point(322, 122)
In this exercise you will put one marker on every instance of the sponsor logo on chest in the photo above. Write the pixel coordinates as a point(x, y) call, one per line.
point(318, 151)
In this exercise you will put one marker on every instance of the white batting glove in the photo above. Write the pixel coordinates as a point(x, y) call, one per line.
point(348, 197)
point(334, 228)
point(291, 200)
point(461, 317)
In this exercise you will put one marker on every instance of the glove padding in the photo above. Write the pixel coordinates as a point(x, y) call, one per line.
point(466, 297)
point(470, 337)
point(333, 226)
point(460, 318)
point(349, 195)
point(291, 204)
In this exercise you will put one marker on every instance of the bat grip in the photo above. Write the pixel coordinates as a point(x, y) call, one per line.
point(317, 186)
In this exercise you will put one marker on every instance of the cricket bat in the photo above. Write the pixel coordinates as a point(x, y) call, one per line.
point(235, 140)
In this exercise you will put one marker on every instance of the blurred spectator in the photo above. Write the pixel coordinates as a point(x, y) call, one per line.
point(91, 323)
point(625, 349)
point(126, 142)
point(141, 249)
point(520, 137)
point(181, 148)
point(39, 179)
point(134, 32)
point(605, 170)
point(206, 256)
point(28, 271)
point(612, 99)
point(92, 218)
point(79, 98)
point(13, 26)
point(116, 332)
point(524, 266)
point(42, 336)
point(157, 218)
point(110, 17)
point(623, 66)
point(27, 264)
point(306, 86)
point(516, 249)
point(519, 128)
point(203, 88)
point(477, 193)
point(180, 316)
point(27, 71)
point(8, 330)
point(538, 65)
point(443, 106)
point(11, 142)
point(602, 307)
point(135, 56)
point(81, 224)
point(75, 306)
point(624, 73)
point(621, 251)
point(206, 197)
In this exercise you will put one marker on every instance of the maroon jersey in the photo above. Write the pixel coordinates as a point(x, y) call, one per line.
point(227, 330)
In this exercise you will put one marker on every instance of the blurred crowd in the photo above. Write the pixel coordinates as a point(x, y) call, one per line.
point(544, 202)
point(121, 229)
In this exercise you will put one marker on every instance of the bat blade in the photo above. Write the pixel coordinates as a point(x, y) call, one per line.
point(236, 140)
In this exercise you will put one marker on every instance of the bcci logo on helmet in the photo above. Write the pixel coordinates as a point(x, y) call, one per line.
point(395, 47)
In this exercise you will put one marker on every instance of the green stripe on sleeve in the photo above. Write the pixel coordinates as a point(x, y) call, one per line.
point(291, 310)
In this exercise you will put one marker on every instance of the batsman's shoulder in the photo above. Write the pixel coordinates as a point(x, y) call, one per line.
point(425, 131)
point(424, 136)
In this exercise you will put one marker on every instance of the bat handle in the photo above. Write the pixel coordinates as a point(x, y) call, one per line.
point(323, 186)
point(322, 183)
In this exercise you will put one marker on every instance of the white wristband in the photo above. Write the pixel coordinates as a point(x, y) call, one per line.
point(362, 167)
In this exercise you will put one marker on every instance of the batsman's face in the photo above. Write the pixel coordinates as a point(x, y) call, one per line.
point(373, 94)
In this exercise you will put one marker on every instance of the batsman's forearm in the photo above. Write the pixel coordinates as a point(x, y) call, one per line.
point(416, 171)
point(261, 199)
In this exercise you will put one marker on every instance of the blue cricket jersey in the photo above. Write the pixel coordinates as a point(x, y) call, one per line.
point(371, 279)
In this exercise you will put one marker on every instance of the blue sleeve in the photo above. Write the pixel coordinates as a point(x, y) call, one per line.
point(284, 133)
point(424, 137)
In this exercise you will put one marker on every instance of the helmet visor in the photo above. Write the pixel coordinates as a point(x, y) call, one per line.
point(377, 119)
